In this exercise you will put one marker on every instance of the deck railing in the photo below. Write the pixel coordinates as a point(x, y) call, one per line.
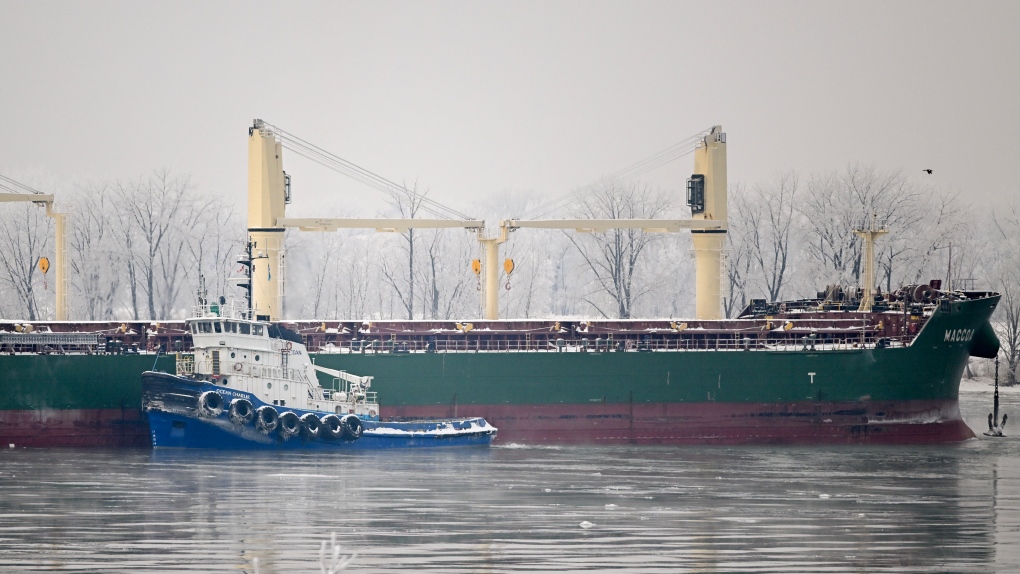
point(841, 342)
point(185, 364)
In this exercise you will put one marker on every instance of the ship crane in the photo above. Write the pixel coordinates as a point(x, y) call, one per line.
point(706, 196)
point(269, 193)
point(15, 191)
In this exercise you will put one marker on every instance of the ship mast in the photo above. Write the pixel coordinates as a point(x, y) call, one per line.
point(869, 233)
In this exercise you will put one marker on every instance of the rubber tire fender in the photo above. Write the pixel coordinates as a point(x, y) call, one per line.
point(352, 427)
point(310, 425)
point(266, 419)
point(290, 424)
point(332, 428)
point(210, 404)
point(241, 411)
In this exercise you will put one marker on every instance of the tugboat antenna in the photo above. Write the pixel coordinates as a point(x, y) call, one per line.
point(203, 293)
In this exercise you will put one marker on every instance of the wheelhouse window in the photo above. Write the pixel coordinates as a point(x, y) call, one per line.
point(256, 330)
point(245, 328)
point(205, 327)
point(218, 327)
point(194, 328)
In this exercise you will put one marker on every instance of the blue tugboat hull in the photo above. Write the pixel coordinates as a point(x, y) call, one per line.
point(170, 404)
point(176, 431)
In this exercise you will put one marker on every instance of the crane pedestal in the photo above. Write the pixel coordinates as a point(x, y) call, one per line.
point(708, 247)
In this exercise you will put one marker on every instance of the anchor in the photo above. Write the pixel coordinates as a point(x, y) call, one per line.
point(994, 426)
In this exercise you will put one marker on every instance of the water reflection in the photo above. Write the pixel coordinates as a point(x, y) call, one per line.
point(838, 509)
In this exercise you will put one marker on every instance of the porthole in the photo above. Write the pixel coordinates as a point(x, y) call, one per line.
point(232, 355)
point(256, 357)
point(269, 385)
point(225, 380)
point(286, 387)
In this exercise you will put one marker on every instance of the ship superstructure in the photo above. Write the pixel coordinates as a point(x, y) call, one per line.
point(269, 361)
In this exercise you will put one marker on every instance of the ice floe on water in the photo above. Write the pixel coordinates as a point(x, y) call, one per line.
point(441, 429)
point(390, 489)
point(515, 445)
point(329, 562)
point(298, 475)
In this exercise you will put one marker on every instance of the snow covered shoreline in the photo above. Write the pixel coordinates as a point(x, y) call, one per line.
point(986, 384)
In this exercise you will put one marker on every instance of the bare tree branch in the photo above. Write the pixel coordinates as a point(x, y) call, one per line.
point(613, 257)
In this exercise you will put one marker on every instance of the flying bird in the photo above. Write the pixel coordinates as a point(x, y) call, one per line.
point(927, 170)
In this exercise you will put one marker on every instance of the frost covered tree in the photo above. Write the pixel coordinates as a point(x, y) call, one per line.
point(613, 258)
point(213, 239)
point(785, 236)
point(738, 256)
point(443, 272)
point(137, 247)
point(355, 278)
point(920, 229)
point(155, 213)
point(95, 256)
point(834, 204)
point(25, 237)
point(323, 287)
point(770, 217)
point(400, 273)
point(1007, 226)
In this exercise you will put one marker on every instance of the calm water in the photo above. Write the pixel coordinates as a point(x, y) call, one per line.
point(517, 509)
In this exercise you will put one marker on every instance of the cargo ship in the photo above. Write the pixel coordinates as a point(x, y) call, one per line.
point(799, 372)
point(848, 366)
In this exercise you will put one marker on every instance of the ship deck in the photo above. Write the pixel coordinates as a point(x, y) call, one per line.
point(813, 326)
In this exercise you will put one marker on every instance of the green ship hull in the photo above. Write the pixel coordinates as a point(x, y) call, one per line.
point(827, 393)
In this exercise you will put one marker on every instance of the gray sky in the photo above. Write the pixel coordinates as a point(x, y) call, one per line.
point(474, 99)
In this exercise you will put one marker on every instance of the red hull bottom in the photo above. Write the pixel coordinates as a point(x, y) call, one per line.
point(116, 428)
point(900, 422)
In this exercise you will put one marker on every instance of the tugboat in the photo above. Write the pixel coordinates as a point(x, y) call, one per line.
point(251, 385)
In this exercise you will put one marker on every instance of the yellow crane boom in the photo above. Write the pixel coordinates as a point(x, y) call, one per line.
point(381, 225)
